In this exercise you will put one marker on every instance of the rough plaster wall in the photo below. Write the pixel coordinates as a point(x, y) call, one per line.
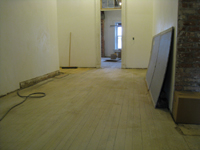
point(77, 17)
point(137, 22)
point(28, 41)
point(165, 15)
point(109, 32)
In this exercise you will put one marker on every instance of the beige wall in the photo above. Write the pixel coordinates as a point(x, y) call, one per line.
point(28, 41)
point(28, 35)
point(137, 22)
point(109, 32)
point(165, 15)
point(79, 18)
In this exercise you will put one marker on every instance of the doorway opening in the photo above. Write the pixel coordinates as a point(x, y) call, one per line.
point(111, 39)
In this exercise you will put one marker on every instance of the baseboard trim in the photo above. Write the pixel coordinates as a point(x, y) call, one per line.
point(36, 80)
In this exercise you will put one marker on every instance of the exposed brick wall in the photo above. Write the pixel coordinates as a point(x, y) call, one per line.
point(188, 47)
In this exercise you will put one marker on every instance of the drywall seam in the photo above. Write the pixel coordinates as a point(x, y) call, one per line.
point(123, 18)
point(98, 33)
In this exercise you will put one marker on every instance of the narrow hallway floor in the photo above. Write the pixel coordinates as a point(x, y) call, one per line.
point(109, 64)
point(90, 109)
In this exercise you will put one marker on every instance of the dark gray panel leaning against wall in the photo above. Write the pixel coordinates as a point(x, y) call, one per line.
point(153, 60)
point(155, 82)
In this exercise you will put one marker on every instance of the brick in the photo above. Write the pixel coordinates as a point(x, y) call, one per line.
point(192, 49)
point(186, 60)
point(195, 75)
point(185, 45)
point(197, 65)
point(188, 11)
point(189, 23)
point(182, 17)
point(182, 39)
point(194, 17)
point(196, 61)
point(193, 84)
point(184, 5)
point(180, 70)
point(193, 80)
point(181, 49)
point(193, 39)
point(193, 71)
point(191, 88)
point(184, 83)
point(182, 74)
point(187, 5)
point(182, 33)
point(184, 65)
point(197, 54)
point(193, 29)
point(192, 5)
point(195, 5)
point(191, 34)
point(182, 28)
point(185, 55)
point(178, 88)
point(188, 0)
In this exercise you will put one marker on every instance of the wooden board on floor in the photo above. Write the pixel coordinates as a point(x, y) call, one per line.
point(158, 65)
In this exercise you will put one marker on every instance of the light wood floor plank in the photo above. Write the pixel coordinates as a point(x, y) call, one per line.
point(90, 109)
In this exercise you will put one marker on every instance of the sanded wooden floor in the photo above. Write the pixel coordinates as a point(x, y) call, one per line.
point(90, 109)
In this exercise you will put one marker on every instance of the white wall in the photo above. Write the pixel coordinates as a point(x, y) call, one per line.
point(79, 18)
point(137, 19)
point(28, 41)
point(165, 15)
point(109, 32)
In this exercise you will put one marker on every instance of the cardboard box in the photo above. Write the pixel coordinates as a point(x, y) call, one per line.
point(113, 56)
point(186, 107)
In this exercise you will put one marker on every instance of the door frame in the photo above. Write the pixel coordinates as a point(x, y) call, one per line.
point(98, 33)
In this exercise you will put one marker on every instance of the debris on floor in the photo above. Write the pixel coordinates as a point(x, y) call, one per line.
point(189, 129)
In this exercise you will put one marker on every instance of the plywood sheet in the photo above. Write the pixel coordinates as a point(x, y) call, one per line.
point(159, 72)
point(153, 60)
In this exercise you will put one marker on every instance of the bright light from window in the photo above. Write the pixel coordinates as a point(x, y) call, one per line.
point(120, 3)
point(119, 35)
